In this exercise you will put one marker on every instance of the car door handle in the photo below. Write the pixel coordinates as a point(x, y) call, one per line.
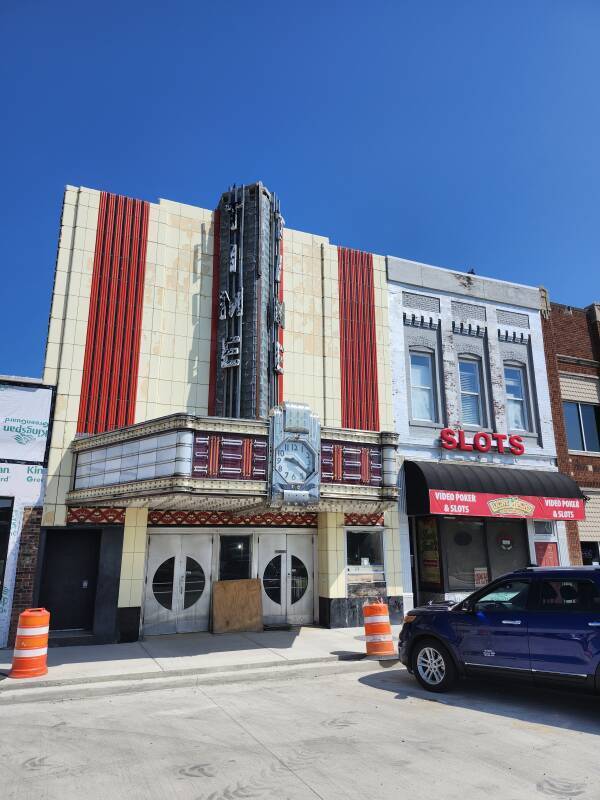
point(511, 621)
point(594, 624)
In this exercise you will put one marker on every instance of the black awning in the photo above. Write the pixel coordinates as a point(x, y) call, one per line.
point(421, 476)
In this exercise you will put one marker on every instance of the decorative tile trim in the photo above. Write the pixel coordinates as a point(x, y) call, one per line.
point(96, 516)
point(423, 302)
point(227, 519)
point(467, 311)
point(512, 318)
point(363, 519)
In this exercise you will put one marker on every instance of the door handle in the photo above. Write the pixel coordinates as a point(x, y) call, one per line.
point(594, 624)
point(511, 621)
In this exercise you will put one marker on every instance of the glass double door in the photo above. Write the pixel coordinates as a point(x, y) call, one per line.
point(285, 565)
point(178, 583)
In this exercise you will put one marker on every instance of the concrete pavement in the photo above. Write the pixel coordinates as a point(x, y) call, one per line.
point(349, 736)
point(190, 654)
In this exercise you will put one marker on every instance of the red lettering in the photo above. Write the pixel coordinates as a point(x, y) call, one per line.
point(499, 439)
point(448, 438)
point(482, 442)
point(462, 444)
point(517, 448)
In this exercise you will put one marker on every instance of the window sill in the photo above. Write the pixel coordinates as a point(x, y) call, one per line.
point(589, 453)
point(424, 424)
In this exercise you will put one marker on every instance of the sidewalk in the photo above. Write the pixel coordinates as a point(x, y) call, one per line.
point(189, 654)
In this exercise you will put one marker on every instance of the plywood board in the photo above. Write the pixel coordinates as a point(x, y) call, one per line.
point(237, 606)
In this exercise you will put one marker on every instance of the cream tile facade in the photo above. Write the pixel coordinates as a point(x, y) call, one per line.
point(133, 560)
point(66, 337)
point(174, 364)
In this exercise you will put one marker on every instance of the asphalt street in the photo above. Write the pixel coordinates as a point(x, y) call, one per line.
point(369, 733)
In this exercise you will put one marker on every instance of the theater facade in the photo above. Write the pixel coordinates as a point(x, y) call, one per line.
point(223, 410)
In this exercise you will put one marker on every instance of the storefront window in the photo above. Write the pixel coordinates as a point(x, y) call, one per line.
point(428, 548)
point(234, 558)
point(365, 573)
point(507, 545)
point(476, 551)
point(465, 557)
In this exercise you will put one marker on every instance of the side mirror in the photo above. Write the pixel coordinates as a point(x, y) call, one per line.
point(468, 607)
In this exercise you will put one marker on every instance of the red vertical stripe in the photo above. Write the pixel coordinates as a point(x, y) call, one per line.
point(214, 323)
point(358, 341)
point(109, 382)
point(280, 375)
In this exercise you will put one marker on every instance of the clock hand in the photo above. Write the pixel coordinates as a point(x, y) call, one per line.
point(296, 460)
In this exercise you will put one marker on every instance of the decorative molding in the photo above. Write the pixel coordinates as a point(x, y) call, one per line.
point(514, 337)
point(173, 422)
point(467, 329)
point(363, 519)
point(415, 321)
point(358, 340)
point(112, 342)
point(97, 515)
point(224, 518)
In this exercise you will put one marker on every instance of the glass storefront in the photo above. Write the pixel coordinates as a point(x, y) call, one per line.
point(460, 554)
point(365, 572)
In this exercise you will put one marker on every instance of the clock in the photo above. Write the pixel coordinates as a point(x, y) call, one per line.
point(294, 461)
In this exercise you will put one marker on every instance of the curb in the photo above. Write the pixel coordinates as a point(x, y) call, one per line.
point(32, 683)
point(106, 686)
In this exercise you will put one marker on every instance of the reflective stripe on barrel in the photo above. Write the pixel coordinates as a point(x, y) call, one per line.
point(31, 644)
point(378, 631)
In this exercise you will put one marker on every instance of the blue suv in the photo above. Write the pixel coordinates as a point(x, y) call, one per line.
point(538, 624)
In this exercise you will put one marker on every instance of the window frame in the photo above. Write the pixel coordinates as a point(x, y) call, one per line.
point(350, 569)
point(431, 354)
point(526, 399)
point(578, 405)
point(482, 395)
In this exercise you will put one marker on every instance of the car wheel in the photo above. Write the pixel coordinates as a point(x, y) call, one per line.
point(432, 665)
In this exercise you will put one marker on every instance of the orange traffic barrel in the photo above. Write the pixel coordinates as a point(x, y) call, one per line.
point(378, 632)
point(31, 644)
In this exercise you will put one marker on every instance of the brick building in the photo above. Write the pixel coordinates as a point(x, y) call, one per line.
point(572, 345)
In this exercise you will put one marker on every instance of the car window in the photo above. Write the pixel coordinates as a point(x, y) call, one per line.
point(506, 596)
point(568, 595)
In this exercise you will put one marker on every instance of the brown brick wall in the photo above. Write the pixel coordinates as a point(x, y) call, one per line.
point(576, 332)
point(26, 567)
point(573, 333)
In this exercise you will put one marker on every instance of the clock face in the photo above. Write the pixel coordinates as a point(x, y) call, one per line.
point(294, 461)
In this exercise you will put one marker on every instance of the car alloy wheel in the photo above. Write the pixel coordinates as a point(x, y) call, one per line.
point(431, 666)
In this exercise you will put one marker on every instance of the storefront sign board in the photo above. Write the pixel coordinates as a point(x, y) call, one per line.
point(483, 504)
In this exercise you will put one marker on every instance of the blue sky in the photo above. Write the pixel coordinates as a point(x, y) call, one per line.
point(460, 133)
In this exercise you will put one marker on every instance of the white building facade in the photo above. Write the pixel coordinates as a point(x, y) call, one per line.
point(480, 490)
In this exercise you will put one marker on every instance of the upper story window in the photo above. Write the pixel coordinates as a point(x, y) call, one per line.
point(422, 386)
point(471, 402)
point(582, 421)
point(517, 412)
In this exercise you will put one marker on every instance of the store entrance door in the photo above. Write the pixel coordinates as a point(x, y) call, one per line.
point(285, 566)
point(178, 583)
point(69, 577)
